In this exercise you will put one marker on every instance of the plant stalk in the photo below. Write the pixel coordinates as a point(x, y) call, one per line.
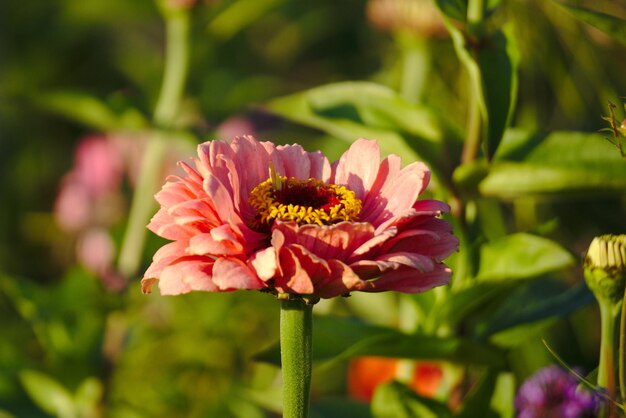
point(622, 352)
point(606, 368)
point(168, 103)
point(295, 351)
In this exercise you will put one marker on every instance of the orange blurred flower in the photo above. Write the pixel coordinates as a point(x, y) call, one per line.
point(365, 374)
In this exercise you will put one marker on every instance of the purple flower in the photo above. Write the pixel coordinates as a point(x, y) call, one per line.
point(552, 392)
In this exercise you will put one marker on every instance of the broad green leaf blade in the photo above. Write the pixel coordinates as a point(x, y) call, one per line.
point(462, 303)
point(395, 400)
point(338, 339)
point(521, 256)
point(331, 336)
point(558, 164)
point(339, 408)
point(492, 64)
point(611, 25)
point(90, 111)
point(48, 394)
point(351, 110)
point(498, 61)
point(454, 9)
point(535, 301)
point(426, 347)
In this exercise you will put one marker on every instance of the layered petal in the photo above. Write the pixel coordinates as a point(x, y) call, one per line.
point(315, 228)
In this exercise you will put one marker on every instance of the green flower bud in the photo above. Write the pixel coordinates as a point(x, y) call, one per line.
point(605, 267)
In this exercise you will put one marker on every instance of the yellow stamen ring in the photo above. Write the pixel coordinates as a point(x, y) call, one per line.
point(270, 203)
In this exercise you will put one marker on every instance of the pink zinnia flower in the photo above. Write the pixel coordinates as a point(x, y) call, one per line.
point(303, 227)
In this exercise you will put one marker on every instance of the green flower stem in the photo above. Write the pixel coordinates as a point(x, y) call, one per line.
point(168, 103)
point(475, 14)
point(606, 368)
point(295, 350)
point(415, 64)
point(622, 352)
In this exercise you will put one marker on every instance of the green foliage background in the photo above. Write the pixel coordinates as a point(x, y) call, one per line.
point(540, 186)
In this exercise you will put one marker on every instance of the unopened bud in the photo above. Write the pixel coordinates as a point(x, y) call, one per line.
point(605, 267)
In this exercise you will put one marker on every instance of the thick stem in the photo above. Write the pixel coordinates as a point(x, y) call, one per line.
point(622, 352)
point(295, 351)
point(606, 368)
point(176, 63)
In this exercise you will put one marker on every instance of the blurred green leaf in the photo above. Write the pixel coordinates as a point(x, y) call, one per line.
point(351, 110)
point(535, 301)
point(521, 256)
point(611, 25)
point(559, 164)
point(238, 15)
point(339, 339)
point(427, 347)
point(48, 394)
point(88, 397)
point(331, 336)
point(478, 401)
point(339, 408)
point(395, 400)
point(82, 108)
point(4, 414)
point(455, 9)
point(464, 302)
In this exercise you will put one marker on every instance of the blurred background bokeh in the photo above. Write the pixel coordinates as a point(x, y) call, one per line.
point(79, 84)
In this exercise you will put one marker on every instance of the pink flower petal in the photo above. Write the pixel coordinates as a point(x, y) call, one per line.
point(265, 263)
point(231, 273)
point(186, 275)
point(342, 280)
point(357, 168)
point(328, 241)
point(409, 280)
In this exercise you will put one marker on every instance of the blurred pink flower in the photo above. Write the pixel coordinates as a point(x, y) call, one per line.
point(305, 227)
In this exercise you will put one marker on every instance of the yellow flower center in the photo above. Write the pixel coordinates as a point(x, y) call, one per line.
point(305, 201)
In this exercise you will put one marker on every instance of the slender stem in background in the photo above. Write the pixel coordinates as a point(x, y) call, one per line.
point(622, 352)
point(415, 64)
point(475, 14)
point(168, 103)
point(296, 326)
point(606, 368)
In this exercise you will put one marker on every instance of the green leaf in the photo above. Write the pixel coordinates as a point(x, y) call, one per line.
point(454, 9)
point(338, 339)
point(558, 164)
point(498, 61)
point(339, 408)
point(426, 347)
point(48, 394)
point(478, 402)
point(464, 302)
point(535, 301)
point(81, 108)
point(351, 110)
point(611, 25)
point(395, 400)
point(331, 336)
point(521, 256)
point(492, 63)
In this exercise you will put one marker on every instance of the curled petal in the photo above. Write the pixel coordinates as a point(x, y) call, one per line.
point(231, 273)
point(265, 263)
point(186, 275)
point(409, 280)
point(336, 241)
